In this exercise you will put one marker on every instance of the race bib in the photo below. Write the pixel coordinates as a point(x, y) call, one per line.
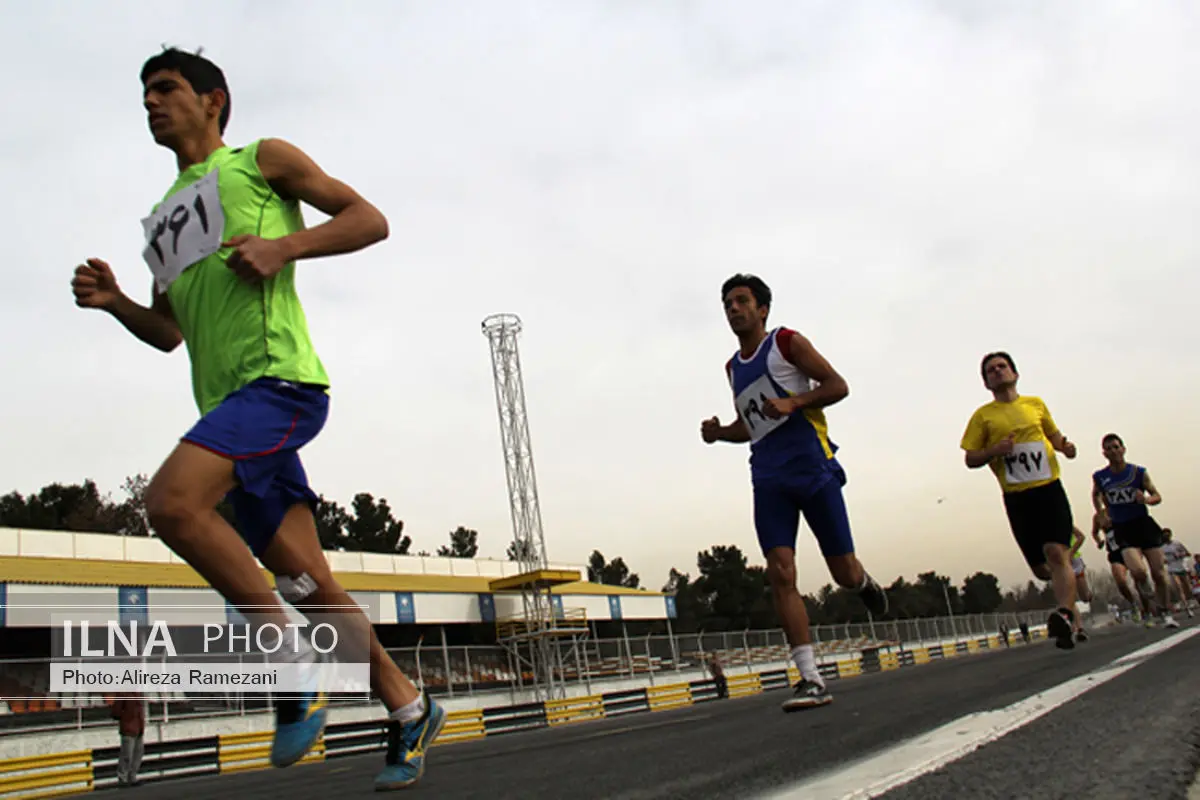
point(1110, 541)
point(751, 405)
point(1028, 462)
point(1121, 496)
point(186, 228)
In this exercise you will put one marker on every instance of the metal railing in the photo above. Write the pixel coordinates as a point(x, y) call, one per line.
point(489, 669)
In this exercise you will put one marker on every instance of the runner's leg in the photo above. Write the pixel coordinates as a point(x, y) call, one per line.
point(1082, 588)
point(1139, 574)
point(1158, 571)
point(180, 502)
point(776, 520)
point(826, 514)
point(295, 551)
point(414, 719)
point(1121, 576)
point(1058, 560)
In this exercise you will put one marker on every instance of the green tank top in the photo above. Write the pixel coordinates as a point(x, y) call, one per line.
point(235, 332)
point(1076, 542)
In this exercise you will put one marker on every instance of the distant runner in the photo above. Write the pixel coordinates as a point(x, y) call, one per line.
point(1102, 534)
point(1126, 491)
point(1177, 557)
point(781, 385)
point(1018, 438)
point(1082, 589)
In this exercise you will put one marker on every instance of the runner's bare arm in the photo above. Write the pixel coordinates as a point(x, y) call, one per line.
point(831, 387)
point(156, 325)
point(1062, 444)
point(355, 223)
point(982, 456)
point(735, 432)
point(1152, 496)
point(1098, 498)
point(979, 458)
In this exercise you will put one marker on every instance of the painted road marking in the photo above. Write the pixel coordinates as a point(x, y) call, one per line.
point(930, 751)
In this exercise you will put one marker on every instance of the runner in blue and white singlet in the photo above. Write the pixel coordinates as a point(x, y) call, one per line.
point(780, 385)
point(792, 449)
point(1124, 492)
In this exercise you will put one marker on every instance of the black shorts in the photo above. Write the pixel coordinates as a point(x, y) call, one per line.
point(1142, 533)
point(1115, 557)
point(1038, 517)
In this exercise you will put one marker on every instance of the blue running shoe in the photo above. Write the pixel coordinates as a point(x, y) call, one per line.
point(408, 746)
point(298, 726)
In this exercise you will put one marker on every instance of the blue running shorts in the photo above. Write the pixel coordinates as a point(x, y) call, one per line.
point(261, 428)
point(780, 500)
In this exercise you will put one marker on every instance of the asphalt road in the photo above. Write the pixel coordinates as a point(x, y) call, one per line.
point(1136, 735)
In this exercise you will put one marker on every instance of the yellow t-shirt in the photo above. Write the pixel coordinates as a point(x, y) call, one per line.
point(1032, 462)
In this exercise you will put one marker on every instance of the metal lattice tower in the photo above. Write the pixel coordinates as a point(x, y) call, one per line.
point(534, 640)
point(502, 331)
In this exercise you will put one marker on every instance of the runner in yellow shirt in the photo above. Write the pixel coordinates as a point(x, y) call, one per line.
point(1018, 438)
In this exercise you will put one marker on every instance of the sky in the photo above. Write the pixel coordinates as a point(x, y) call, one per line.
point(919, 182)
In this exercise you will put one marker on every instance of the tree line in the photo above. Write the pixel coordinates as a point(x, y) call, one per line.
point(727, 592)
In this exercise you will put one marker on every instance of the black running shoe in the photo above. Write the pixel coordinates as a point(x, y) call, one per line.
point(874, 598)
point(1058, 628)
point(807, 694)
point(1081, 636)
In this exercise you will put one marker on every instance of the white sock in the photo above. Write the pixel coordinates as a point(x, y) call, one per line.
point(301, 653)
point(806, 662)
point(410, 712)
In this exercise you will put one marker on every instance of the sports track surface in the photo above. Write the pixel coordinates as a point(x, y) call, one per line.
point(1114, 718)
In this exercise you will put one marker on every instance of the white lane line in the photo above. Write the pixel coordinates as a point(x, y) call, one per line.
point(930, 751)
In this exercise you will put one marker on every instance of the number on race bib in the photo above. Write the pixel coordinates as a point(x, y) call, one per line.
point(1122, 495)
point(1028, 462)
point(751, 404)
point(185, 229)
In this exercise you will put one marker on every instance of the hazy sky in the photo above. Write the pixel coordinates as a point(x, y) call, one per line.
point(919, 182)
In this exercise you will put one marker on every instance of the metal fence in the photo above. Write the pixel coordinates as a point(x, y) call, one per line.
point(474, 670)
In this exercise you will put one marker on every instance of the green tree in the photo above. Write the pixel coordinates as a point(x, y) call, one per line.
point(333, 525)
point(70, 507)
point(464, 543)
point(727, 590)
point(687, 609)
point(934, 589)
point(905, 600)
point(611, 573)
point(981, 594)
point(373, 529)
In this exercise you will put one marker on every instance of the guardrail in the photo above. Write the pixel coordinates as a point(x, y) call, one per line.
point(84, 770)
point(47, 776)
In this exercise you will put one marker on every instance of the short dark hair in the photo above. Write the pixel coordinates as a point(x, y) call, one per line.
point(1111, 437)
point(203, 75)
point(756, 285)
point(997, 354)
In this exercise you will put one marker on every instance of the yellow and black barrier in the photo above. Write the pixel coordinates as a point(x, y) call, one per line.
point(673, 695)
point(52, 775)
point(462, 726)
point(239, 752)
point(574, 709)
point(744, 684)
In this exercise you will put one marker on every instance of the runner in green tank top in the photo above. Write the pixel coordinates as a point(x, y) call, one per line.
point(222, 246)
point(240, 330)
